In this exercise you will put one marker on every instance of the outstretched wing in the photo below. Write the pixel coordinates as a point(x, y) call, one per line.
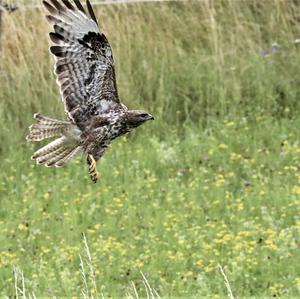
point(84, 61)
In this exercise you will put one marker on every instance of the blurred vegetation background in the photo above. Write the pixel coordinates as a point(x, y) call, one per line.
point(186, 62)
point(221, 78)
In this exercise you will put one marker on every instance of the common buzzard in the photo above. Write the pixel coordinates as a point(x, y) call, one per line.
point(85, 73)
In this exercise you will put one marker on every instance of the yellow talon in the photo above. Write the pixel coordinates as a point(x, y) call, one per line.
point(92, 168)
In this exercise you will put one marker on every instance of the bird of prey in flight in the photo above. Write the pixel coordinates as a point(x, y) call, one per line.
point(86, 76)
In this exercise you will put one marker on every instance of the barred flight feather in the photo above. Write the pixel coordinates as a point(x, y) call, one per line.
point(84, 62)
point(57, 157)
point(79, 6)
point(63, 161)
point(51, 147)
point(68, 4)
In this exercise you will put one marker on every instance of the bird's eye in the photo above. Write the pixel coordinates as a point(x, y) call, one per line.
point(144, 115)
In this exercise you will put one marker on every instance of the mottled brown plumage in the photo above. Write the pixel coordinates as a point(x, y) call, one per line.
point(85, 73)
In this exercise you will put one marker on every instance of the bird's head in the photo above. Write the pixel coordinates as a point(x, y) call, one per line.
point(137, 117)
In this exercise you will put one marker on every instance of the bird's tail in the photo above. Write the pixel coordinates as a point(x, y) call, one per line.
point(58, 152)
point(46, 127)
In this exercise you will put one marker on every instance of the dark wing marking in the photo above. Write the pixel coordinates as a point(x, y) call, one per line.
point(57, 5)
point(91, 12)
point(84, 62)
point(68, 4)
point(79, 6)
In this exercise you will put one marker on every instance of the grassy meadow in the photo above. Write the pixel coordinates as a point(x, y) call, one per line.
point(214, 180)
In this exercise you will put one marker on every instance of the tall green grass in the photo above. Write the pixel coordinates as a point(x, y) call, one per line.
point(185, 62)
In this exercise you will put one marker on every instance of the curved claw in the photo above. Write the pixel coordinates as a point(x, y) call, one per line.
point(92, 168)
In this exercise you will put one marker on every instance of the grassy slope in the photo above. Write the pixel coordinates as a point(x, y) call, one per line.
point(214, 180)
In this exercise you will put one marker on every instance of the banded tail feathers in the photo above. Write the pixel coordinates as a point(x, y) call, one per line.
point(61, 150)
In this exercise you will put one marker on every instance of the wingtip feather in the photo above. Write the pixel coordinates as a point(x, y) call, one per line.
point(57, 5)
point(68, 4)
point(79, 6)
point(91, 11)
point(56, 38)
point(58, 51)
point(50, 8)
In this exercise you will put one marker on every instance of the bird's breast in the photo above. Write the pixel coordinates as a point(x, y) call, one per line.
point(117, 130)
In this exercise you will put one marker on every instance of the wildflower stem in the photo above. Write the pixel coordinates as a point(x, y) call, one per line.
point(227, 284)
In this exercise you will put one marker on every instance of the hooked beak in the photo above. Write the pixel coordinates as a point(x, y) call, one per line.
point(151, 117)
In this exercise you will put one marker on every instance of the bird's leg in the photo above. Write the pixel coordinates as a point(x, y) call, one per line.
point(92, 168)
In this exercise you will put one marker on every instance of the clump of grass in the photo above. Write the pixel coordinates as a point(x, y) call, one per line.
point(86, 292)
point(19, 285)
point(89, 289)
